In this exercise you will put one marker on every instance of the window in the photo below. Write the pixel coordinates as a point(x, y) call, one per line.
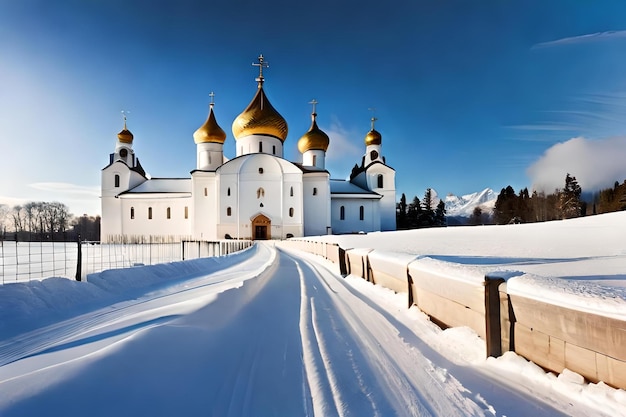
point(132, 212)
point(149, 213)
point(260, 170)
point(117, 180)
point(342, 213)
point(260, 192)
point(274, 149)
point(291, 192)
point(228, 192)
point(361, 213)
point(229, 211)
point(260, 146)
point(205, 192)
point(380, 180)
point(168, 213)
point(186, 212)
point(290, 211)
point(314, 160)
point(314, 190)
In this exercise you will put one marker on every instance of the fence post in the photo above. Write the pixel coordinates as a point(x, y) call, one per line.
point(492, 316)
point(79, 260)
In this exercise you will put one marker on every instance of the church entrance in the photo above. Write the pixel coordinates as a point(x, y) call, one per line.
point(261, 228)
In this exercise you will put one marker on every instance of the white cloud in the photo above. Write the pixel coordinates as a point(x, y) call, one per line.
point(591, 37)
point(67, 188)
point(596, 164)
point(344, 146)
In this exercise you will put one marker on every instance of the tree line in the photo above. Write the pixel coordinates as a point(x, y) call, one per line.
point(418, 214)
point(563, 203)
point(41, 221)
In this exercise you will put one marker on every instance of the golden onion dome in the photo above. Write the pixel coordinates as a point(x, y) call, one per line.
point(373, 137)
point(210, 131)
point(260, 118)
point(125, 136)
point(315, 138)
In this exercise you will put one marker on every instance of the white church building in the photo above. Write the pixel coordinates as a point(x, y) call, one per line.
point(255, 195)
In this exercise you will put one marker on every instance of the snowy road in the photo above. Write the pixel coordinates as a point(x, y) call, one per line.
point(284, 337)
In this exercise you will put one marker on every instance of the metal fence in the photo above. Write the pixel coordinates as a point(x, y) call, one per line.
point(26, 261)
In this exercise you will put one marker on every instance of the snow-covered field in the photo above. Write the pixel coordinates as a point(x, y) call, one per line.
point(276, 332)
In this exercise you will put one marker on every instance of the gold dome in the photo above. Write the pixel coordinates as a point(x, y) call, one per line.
point(125, 136)
point(373, 138)
point(260, 118)
point(210, 131)
point(315, 138)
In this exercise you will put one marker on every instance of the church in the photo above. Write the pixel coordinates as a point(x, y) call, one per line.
point(255, 195)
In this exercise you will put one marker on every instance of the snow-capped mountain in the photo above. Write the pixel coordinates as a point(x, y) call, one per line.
point(464, 206)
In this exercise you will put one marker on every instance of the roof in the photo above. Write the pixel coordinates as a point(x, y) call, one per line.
point(347, 188)
point(162, 185)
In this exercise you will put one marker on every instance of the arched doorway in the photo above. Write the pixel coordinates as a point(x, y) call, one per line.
point(261, 228)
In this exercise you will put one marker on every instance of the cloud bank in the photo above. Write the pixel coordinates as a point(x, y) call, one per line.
point(591, 37)
point(596, 164)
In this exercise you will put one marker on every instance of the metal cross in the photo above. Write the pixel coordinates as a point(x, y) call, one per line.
point(373, 119)
point(212, 95)
point(313, 102)
point(261, 64)
point(124, 113)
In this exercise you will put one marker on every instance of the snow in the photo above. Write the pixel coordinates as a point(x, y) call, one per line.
point(464, 206)
point(272, 331)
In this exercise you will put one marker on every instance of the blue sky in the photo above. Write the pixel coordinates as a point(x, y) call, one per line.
point(468, 94)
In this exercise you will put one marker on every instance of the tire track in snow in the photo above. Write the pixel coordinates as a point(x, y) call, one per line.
point(373, 371)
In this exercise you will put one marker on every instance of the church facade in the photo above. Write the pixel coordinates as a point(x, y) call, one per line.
point(255, 195)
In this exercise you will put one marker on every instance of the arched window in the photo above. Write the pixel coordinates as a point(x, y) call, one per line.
point(168, 213)
point(149, 213)
point(117, 180)
point(361, 213)
point(260, 192)
point(228, 192)
point(314, 190)
point(260, 170)
point(380, 180)
point(260, 146)
point(132, 212)
point(342, 213)
point(186, 212)
point(206, 192)
point(273, 149)
point(314, 160)
point(290, 211)
point(291, 192)
point(229, 211)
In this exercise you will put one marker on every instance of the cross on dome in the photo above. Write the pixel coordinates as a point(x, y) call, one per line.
point(374, 118)
point(314, 103)
point(261, 64)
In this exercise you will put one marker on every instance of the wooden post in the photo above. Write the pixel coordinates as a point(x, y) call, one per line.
point(79, 260)
point(343, 269)
point(492, 316)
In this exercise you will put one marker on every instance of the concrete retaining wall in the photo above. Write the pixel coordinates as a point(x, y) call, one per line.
point(550, 335)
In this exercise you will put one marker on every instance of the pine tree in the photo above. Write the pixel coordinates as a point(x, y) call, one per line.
point(414, 213)
point(401, 214)
point(440, 214)
point(569, 199)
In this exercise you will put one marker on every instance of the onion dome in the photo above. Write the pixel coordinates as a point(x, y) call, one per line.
point(373, 137)
point(260, 118)
point(125, 136)
point(315, 138)
point(210, 131)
